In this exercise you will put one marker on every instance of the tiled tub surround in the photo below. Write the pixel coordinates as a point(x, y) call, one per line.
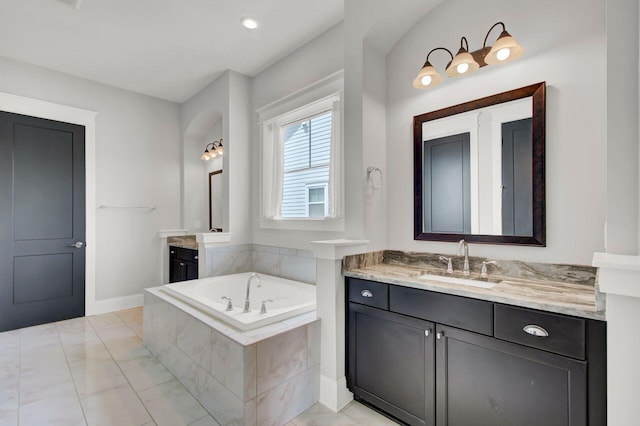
point(184, 241)
point(566, 289)
point(298, 265)
point(260, 377)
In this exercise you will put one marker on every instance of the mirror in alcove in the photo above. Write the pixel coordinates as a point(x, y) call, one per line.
point(479, 170)
point(215, 200)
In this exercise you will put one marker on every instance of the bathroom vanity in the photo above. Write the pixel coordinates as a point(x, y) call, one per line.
point(431, 353)
point(183, 264)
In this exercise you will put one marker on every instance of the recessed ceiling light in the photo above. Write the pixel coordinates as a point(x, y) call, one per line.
point(249, 23)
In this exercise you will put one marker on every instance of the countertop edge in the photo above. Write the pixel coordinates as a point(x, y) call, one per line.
point(434, 286)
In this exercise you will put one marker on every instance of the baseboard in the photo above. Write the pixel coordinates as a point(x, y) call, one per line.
point(116, 304)
point(334, 393)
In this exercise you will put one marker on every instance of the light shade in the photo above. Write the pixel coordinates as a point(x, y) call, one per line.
point(249, 23)
point(462, 64)
point(427, 78)
point(504, 50)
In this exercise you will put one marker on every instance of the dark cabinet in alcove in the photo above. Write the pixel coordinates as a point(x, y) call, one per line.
point(183, 264)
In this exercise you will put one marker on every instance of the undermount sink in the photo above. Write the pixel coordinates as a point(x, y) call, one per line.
point(460, 281)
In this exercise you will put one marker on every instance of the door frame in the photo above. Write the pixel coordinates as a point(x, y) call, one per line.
point(68, 114)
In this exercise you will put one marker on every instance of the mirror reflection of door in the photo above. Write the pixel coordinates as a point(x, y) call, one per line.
point(215, 201)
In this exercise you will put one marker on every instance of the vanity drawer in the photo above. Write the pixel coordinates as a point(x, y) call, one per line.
point(456, 311)
point(369, 293)
point(566, 335)
point(189, 255)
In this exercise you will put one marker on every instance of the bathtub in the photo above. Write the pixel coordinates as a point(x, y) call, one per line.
point(290, 298)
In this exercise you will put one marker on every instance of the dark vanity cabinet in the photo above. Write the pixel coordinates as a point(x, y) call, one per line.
point(430, 358)
point(183, 264)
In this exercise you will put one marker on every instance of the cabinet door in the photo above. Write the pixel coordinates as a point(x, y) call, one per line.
point(177, 270)
point(391, 363)
point(192, 271)
point(483, 381)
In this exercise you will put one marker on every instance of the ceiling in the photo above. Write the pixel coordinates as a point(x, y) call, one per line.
point(169, 49)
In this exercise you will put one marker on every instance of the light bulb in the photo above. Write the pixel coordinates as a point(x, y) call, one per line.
point(462, 68)
point(249, 23)
point(426, 80)
point(503, 54)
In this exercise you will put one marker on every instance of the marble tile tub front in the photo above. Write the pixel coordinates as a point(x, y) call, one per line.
point(261, 382)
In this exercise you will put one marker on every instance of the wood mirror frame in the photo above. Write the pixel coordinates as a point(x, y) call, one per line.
point(538, 237)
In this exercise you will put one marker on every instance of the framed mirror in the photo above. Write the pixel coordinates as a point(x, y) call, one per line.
point(479, 170)
point(215, 201)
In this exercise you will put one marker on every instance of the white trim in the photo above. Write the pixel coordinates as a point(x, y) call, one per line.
point(618, 274)
point(210, 239)
point(337, 249)
point(334, 393)
point(316, 91)
point(166, 233)
point(117, 304)
point(68, 114)
point(303, 224)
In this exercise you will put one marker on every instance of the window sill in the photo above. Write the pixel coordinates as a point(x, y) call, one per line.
point(304, 224)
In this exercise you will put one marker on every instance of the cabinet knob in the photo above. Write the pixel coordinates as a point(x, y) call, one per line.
point(439, 335)
point(195, 257)
point(366, 293)
point(172, 252)
point(183, 264)
point(427, 332)
point(535, 330)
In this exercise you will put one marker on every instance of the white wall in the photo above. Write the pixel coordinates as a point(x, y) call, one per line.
point(374, 142)
point(558, 43)
point(320, 58)
point(226, 100)
point(622, 127)
point(137, 144)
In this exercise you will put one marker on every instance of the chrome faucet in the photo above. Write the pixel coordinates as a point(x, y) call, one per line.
point(463, 244)
point(247, 301)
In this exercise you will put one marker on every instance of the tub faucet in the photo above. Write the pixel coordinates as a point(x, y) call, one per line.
point(464, 245)
point(247, 301)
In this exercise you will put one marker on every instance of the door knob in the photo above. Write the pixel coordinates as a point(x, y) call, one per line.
point(77, 244)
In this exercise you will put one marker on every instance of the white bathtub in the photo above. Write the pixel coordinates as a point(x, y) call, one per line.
point(290, 298)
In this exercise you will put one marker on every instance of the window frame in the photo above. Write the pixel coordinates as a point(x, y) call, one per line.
point(306, 103)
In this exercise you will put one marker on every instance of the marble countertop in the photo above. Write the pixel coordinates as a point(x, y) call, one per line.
point(570, 298)
point(183, 241)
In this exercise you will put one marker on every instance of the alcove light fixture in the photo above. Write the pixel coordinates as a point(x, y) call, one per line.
point(212, 150)
point(504, 50)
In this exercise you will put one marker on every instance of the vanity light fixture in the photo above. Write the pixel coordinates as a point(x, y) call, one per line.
point(504, 50)
point(212, 150)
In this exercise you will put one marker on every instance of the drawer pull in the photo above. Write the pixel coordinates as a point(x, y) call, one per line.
point(366, 293)
point(535, 330)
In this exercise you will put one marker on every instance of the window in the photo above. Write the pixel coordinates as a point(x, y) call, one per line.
point(301, 159)
point(307, 146)
point(317, 200)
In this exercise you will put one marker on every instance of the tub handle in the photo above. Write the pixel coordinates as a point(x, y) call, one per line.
point(229, 303)
point(263, 308)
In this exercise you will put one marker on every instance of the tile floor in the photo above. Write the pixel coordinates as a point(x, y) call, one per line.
point(96, 371)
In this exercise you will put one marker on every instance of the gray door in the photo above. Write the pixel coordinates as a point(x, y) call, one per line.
point(42, 216)
point(517, 178)
point(447, 190)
